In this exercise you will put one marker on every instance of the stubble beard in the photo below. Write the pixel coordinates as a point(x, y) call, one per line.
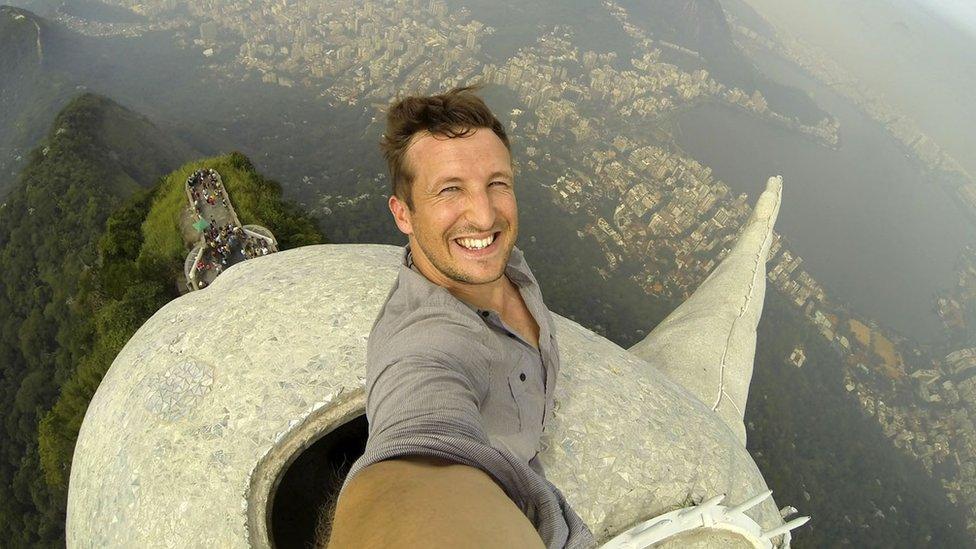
point(446, 264)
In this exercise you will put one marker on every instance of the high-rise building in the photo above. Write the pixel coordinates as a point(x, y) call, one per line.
point(589, 59)
point(208, 32)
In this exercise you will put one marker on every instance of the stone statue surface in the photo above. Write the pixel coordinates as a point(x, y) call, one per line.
point(708, 344)
point(220, 390)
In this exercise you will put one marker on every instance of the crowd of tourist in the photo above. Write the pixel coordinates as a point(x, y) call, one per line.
point(220, 242)
point(219, 245)
point(255, 248)
point(204, 186)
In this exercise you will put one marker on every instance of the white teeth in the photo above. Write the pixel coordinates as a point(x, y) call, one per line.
point(475, 244)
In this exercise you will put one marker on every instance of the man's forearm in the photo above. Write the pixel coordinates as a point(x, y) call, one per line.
point(428, 502)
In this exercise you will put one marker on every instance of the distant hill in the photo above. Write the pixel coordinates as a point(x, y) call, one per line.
point(43, 8)
point(19, 32)
point(32, 88)
point(741, 10)
point(96, 155)
point(700, 25)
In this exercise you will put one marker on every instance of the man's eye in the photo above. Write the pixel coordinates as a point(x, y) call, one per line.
point(450, 189)
point(499, 182)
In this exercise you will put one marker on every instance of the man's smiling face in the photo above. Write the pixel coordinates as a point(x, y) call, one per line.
point(463, 198)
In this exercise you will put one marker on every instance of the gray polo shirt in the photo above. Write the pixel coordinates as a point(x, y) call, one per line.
point(448, 380)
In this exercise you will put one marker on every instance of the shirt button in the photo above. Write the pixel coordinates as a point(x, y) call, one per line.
point(522, 376)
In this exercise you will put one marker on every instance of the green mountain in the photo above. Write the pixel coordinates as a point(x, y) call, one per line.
point(96, 155)
point(90, 247)
point(819, 452)
point(140, 263)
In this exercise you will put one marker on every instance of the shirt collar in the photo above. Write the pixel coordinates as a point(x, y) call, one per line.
point(517, 271)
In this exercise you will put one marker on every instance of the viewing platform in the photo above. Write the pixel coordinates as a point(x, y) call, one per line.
point(223, 241)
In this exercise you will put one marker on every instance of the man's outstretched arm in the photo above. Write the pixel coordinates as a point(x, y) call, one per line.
point(429, 474)
point(428, 502)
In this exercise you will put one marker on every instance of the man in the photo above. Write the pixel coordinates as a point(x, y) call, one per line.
point(462, 359)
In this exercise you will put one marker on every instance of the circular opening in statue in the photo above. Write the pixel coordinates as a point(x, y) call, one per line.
point(305, 499)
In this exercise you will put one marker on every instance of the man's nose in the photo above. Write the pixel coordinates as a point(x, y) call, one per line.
point(481, 211)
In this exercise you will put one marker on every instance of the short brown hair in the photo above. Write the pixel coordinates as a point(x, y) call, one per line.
point(452, 114)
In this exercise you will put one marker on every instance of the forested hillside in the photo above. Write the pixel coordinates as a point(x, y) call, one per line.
point(89, 249)
point(96, 155)
point(140, 257)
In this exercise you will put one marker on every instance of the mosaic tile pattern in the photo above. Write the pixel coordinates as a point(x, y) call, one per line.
point(173, 393)
point(215, 379)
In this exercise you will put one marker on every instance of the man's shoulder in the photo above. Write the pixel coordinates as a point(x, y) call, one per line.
point(418, 317)
point(413, 298)
point(405, 317)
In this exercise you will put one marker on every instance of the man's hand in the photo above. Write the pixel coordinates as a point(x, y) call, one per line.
point(428, 502)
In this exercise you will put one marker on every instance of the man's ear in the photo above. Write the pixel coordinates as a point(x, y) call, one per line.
point(401, 214)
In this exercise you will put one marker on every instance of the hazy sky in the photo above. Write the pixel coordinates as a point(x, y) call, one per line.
point(904, 49)
point(962, 13)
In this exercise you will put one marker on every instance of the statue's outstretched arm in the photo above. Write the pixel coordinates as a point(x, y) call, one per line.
point(708, 343)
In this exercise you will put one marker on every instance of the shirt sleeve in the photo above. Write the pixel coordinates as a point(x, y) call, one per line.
point(425, 384)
